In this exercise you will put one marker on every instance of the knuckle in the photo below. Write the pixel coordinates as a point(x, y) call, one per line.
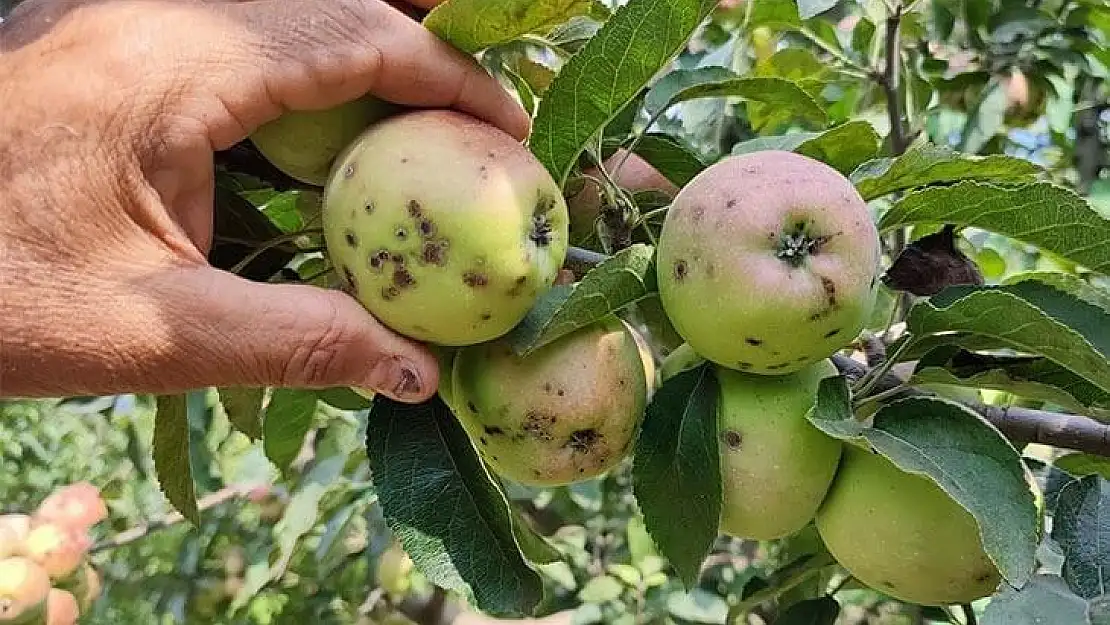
point(321, 359)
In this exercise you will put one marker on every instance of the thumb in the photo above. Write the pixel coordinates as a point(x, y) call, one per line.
point(300, 336)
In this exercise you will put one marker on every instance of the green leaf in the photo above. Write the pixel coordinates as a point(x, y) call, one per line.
point(474, 25)
point(789, 101)
point(343, 398)
point(171, 455)
point(1045, 599)
point(661, 94)
point(303, 511)
point(676, 161)
point(934, 164)
point(1080, 525)
point(639, 40)
point(243, 406)
point(442, 503)
point(820, 611)
point(287, 420)
point(1067, 282)
point(1038, 213)
point(1032, 377)
point(622, 279)
point(1029, 316)
point(843, 147)
point(676, 469)
point(532, 544)
point(832, 412)
point(1080, 464)
point(774, 13)
point(813, 8)
point(969, 459)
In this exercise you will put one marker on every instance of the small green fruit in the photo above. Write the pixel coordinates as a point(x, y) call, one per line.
point(768, 262)
point(567, 412)
point(776, 467)
point(899, 533)
point(304, 144)
point(444, 227)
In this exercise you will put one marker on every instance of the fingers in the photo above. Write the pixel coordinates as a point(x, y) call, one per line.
point(297, 336)
point(318, 56)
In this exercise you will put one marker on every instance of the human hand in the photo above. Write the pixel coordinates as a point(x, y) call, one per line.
point(112, 111)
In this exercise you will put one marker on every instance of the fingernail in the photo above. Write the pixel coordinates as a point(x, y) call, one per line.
point(398, 377)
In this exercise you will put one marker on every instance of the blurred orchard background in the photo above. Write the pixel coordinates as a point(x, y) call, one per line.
point(1018, 77)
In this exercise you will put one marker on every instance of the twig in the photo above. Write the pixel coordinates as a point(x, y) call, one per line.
point(141, 531)
point(1021, 425)
point(889, 81)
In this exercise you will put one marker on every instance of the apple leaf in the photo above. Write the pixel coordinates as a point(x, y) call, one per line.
point(1045, 599)
point(663, 92)
point(343, 398)
point(474, 25)
point(620, 280)
point(774, 13)
point(965, 456)
point(677, 162)
point(439, 499)
point(595, 84)
point(303, 511)
point(1027, 376)
point(842, 147)
point(1039, 213)
point(676, 469)
point(287, 419)
point(935, 164)
point(171, 455)
point(1081, 464)
point(789, 100)
point(820, 611)
point(243, 407)
point(1068, 282)
point(813, 8)
point(1029, 316)
point(1081, 526)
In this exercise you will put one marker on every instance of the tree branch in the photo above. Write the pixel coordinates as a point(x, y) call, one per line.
point(1020, 425)
point(141, 531)
point(890, 80)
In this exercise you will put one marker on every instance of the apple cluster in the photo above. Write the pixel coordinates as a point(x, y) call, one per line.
point(45, 575)
point(449, 231)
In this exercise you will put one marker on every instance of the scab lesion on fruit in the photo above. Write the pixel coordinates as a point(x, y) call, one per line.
point(518, 286)
point(434, 253)
point(475, 279)
point(486, 315)
point(681, 269)
point(733, 439)
point(538, 426)
point(351, 238)
point(583, 441)
point(493, 430)
point(778, 365)
point(369, 208)
point(403, 278)
point(401, 233)
point(744, 366)
point(754, 342)
point(414, 209)
point(390, 292)
point(832, 333)
point(541, 230)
